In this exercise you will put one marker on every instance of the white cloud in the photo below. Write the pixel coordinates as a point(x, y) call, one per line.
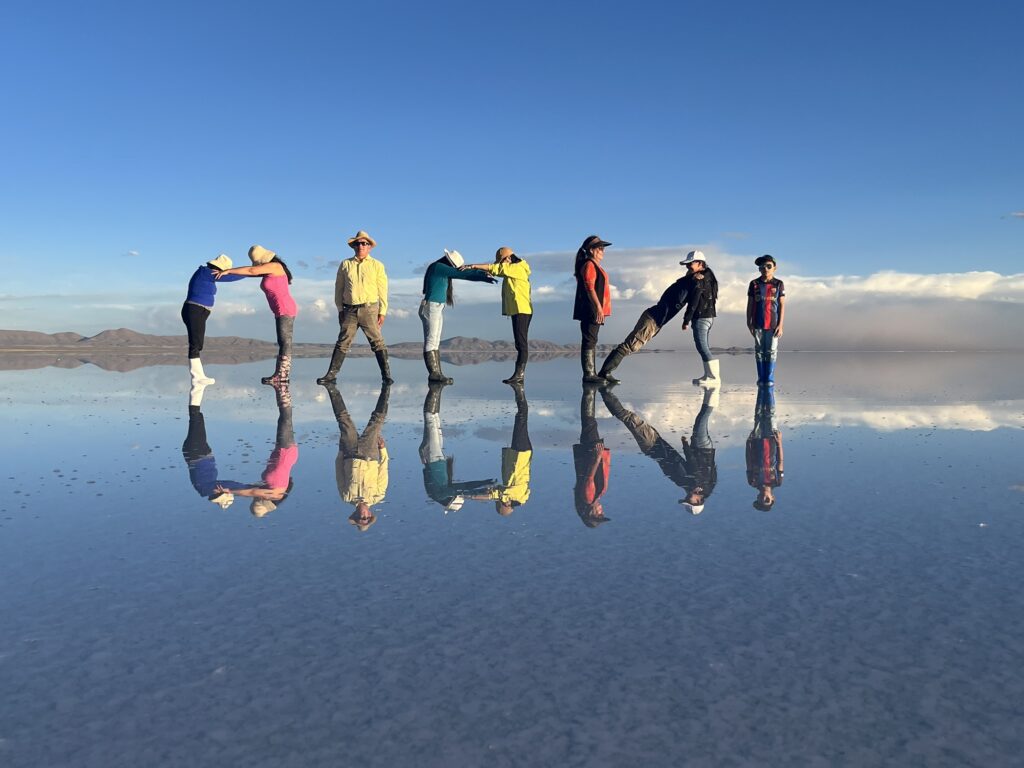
point(1018, 214)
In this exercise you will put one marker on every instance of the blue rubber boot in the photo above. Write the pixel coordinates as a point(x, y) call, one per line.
point(760, 370)
point(769, 372)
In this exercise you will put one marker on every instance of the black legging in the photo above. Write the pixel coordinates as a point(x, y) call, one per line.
point(588, 334)
point(194, 317)
point(520, 335)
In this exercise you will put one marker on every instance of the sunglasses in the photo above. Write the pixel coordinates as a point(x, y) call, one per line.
point(767, 266)
point(360, 243)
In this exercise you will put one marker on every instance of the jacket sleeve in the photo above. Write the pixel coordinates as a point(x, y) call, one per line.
point(476, 275)
point(519, 270)
point(692, 298)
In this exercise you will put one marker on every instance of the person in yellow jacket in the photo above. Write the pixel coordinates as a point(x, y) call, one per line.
point(515, 302)
point(514, 490)
point(361, 467)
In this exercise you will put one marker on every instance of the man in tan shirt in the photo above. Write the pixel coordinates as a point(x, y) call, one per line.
point(361, 295)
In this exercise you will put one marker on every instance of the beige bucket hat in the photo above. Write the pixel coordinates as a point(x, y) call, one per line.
point(221, 262)
point(260, 255)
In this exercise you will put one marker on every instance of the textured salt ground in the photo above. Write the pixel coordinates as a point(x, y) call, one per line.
point(867, 620)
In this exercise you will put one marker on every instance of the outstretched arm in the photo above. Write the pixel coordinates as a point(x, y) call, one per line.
point(254, 271)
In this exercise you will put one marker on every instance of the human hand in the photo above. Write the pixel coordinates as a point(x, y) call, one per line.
point(685, 326)
point(599, 317)
point(778, 332)
point(492, 280)
point(217, 275)
point(380, 321)
point(751, 329)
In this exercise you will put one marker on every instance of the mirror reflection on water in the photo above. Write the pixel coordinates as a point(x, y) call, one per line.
point(823, 573)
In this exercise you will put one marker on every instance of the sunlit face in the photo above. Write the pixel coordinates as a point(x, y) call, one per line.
point(767, 270)
point(696, 266)
point(597, 252)
point(362, 248)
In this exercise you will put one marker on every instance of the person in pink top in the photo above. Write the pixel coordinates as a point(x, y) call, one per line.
point(276, 480)
point(276, 279)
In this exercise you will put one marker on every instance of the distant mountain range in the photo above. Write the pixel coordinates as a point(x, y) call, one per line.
point(122, 349)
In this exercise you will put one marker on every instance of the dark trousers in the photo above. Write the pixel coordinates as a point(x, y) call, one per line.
point(588, 334)
point(521, 337)
point(194, 318)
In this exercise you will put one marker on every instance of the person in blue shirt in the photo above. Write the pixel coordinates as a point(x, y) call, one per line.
point(437, 294)
point(202, 291)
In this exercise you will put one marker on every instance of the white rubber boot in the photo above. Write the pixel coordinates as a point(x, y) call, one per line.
point(712, 376)
point(195, 367)
point(195, 394)
point(711, 397)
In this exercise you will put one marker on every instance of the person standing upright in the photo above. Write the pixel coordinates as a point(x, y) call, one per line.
point(515, 303)
point(361, 296)
point(766, 310)
point(700, 310)
point(593, 302)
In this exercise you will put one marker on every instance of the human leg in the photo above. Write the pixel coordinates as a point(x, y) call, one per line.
point(285, 332)
point(520, 335)
point(701, 333)
point(347, 322)
point(194, 317)
point(588, 351)
point(644, 330)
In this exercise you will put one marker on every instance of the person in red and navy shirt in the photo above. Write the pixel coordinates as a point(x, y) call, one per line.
point(766, 311)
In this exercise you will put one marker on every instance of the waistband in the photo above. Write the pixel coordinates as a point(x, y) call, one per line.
point(360, 306)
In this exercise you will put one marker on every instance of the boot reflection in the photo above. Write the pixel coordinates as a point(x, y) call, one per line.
point(438, 468)
point(764, 450)
point(694, 470)
point(593, 464)
point(361, 467)
point(514, 490)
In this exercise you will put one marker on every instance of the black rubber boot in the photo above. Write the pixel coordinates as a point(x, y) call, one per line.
point(433, 361)
point(385, 366)
point(587, 361)
point(432, 402)
point(516, 378)
point(337, 358)
point(611, 363)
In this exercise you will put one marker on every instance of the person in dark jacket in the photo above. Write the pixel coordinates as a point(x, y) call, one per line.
point(650, 323)
point(700, 311)
point(695, 470)
point(593, 302)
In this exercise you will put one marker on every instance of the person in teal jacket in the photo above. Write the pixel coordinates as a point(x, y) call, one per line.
point(437, 293)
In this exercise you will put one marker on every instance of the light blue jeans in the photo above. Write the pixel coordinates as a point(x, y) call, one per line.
point(701, 330)
point(432, 315)
point(766, 345)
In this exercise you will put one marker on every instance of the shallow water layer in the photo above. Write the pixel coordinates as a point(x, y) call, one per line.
point(532, 587)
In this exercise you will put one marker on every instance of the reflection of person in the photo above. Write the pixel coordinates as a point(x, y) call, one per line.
point(593, 464)
point(438, 469)
point(764, 450)
point(276, 480)
point(361, 467)
point(515, 302)
point(694, 471)
point(700, 310)
point(514, 490)
point(593, 302)
point(199, 458)
point(276, 279)
point(202, 291)
point(361, 296)
point(651, 321)
point(438, 293)
point(766, 310)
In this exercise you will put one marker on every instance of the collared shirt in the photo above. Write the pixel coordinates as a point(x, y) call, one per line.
point(361, 282)
point(362, 479)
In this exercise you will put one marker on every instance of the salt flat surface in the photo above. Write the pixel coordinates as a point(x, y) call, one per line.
point(872, 616)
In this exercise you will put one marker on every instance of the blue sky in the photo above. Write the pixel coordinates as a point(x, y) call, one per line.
point(850, 140)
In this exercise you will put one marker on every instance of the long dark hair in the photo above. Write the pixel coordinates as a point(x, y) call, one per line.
point(584, 253)
point(287, 271)
point(713, 282)
point(450, 297)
